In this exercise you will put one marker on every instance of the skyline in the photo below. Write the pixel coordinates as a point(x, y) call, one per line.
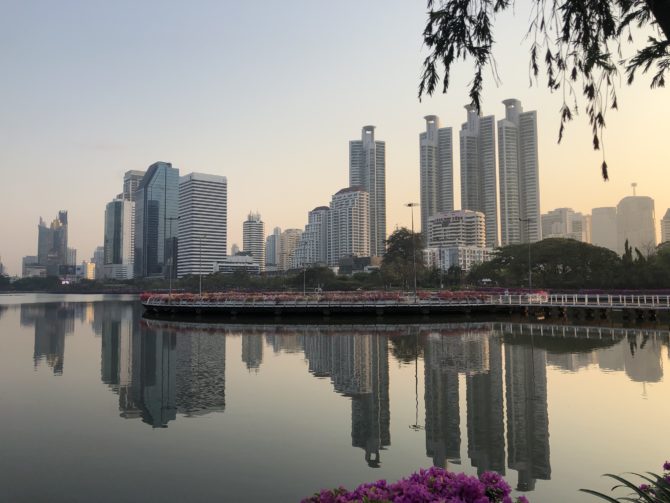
point(86, 103)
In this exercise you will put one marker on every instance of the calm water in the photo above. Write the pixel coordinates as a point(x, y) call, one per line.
point(98, 404)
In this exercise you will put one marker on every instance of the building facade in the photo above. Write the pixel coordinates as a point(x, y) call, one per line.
point(118, 245)
point(518, 175)
point(636, 224)
point(253, 238)
point(287, 247)
point(238, 263)
point(203, 223)
point(52, 250)
point(348, 225)
point(272, 249)
point(478, 170)
point(604, 230)
point(367, 169)
point(156, 227)
point(436, 171)
point(665, 227)
point(566, 223)
point(457, 228)
point(312, 249)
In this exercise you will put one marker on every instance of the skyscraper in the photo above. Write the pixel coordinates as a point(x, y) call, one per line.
point(313, 247)
point(437, 171)
point(203, 223)
point(287, 246)
point(519, 175)
point(253, 237)
point(348, 222)
point(131, 182)
point(118, 246)
point(457, 228)
point(52, 251)
point(478, 170)
point(665, 227)
point(272, 248)
point(604, 228)
point(636, 224)
point(566, 223)
point(367, 169)
point(156, 214)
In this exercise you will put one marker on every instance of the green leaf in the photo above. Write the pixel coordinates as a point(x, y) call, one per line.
point(600, 495)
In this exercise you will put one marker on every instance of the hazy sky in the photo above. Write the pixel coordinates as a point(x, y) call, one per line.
point(267, 94)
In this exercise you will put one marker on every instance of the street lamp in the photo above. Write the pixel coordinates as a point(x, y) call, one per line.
point(171, 270)
point(202, 236)
point(530, 271)
point(411, 207)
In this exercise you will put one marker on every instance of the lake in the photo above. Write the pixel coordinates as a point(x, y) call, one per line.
point(99, 404)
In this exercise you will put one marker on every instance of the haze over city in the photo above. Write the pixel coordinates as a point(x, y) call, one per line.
point(269, 97)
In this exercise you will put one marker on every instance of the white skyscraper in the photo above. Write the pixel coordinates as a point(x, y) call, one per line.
point(348, 223)
point(665, 227)
point(131, 181)
point(636, 223)
point(604, 230)
point(566, 223)
point(287, 246)
point(478, 170)
point(519, 175)
point(203, 223)
point(437, 170)
point(118, 244)
point(457, 228)
point(313, 247)
point(367, 169)
point(253, 238)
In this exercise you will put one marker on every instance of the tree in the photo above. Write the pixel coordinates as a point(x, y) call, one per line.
point(397, 264)
point(579, 43)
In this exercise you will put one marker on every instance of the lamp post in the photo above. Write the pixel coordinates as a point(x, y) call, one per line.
point(411, 207)
point(530, 271)
point(202, 236)
point(171, 269)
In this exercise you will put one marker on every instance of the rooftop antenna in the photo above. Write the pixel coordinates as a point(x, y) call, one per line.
point(634, 185)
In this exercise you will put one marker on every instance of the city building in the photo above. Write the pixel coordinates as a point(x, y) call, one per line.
point(519, 178)
point(71, 257)
point(636, 224)
point(665, 227)
point(436, 171)
point(457, 228)
point(566, 223)
point(312, 249)
point(30, 267)
point(461, 256)
point(234, 249)
point(98, 260)
point(287, 246)
point(253, 238)
point(604, 228)
point(3, 270)
point(348, 224)
point(367, 169)
point(118, 245)
point(478, 170)
point(272, 249)
point(131, 182)
point(203, 223)
point(52, 251)
point(238, 263)
point(156, 214)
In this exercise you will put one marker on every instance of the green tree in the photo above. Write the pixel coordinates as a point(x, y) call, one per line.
point(579, 43)
point(397, 265)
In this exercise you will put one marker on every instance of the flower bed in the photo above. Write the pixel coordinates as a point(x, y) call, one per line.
point(432, 485)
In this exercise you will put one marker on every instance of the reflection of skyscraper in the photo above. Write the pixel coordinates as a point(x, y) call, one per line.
point(486, 437)
point(642, 358)
point(252, 351)
point(52, 323)
point(527, 415)
point(156, 382)
point(443, 417)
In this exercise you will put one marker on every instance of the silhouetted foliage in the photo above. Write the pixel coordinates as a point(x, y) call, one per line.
point(397, 266)
point(579, 44)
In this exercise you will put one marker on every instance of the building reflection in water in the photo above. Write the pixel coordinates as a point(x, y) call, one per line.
point(159, 370)
point(52, 323)
point(252, 351)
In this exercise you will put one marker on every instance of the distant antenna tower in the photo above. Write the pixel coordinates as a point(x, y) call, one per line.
point(634, 185)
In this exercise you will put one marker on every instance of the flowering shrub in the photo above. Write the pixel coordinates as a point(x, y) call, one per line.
point(655, 489)
point(434, 484)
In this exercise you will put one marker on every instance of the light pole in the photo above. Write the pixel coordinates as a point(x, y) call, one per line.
point(171, 269)
point(202, 236)
point(530, 271)
point(411, 207)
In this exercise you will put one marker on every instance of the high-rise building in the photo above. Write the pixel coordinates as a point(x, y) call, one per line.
point(234, 249)
point(457, 228)
point(367, 169)
point(287, 246)
point(665, 227)
point(566, 223)
point(636, 224)
point(313, 247)
point(52, 251)
point(519, 175)
point(118, 245)
point(156, 214)
point(348, 222)
point(604, 228)
point(272, 248)
point(203, 223)
point(437, 171)
point(131, 182)
point(478, 170)
point(98, 260)
point(253, 236)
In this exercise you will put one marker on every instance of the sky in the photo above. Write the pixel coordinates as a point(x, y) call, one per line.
point(267, 94)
